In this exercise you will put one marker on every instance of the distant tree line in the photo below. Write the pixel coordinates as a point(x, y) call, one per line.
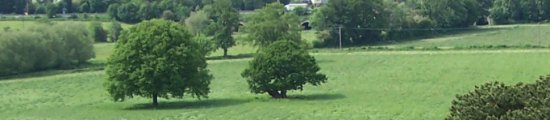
point(512, 11)
point(372, 21)
point(40, 6)
point(136, 11)
point(131, 11)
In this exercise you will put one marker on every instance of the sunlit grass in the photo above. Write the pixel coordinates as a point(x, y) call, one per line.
point(360, 86)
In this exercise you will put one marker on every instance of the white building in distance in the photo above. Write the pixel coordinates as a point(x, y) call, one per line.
point(318, 2)
point(293, 6)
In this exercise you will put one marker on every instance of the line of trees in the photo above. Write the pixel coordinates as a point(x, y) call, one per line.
point(136, 11)
point(39, 6)
point(131, 11)
point(44, 47)
point(372, 21)
point(170, 64)
point(511, 11)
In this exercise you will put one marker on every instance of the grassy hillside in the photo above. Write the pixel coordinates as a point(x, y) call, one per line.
point(509, 35)
point(371, 85)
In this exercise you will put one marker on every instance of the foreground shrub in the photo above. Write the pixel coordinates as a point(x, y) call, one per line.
point(44, 47)
point(280, 67)
point(499, 101)
point(155, 59)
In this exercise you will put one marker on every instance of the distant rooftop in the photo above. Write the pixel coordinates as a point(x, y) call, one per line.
point(293, 6)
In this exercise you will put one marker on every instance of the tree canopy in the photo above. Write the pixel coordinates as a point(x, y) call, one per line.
point(115, 31)
point(353, 19)
point(197, 22)
point(157, 58)
point(280, 67)
point(503, 102)
point(272, 23)
point(374, 21)
point(225, 20)
point(136, 11)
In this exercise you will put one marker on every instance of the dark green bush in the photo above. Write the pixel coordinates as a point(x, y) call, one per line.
point(44, 47)
point(85, 16)
point(51, 10)
point(73, 16)
point(115, 31)
point(168, 15)
point(112, 11)
point(127, 13)
point(499, 101)
point(206, 45)
point(98, 33)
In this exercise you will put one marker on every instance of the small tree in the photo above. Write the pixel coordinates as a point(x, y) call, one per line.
point(225, 19)
point(98, 33)
point(116, 29)
point(157, 58)
point(280, 67)
point(197, 22)
point(51, 10)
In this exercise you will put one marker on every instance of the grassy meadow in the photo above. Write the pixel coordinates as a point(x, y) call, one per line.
point(375, 85)
point(508, 35)
point(363, 85)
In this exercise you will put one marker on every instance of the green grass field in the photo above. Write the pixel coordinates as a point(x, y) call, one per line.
point(369, 85)
point(377, 85)
point(509, 35)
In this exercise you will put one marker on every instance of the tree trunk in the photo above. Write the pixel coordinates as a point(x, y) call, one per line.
point(155, 102)
point(224, 52)
point(274, 94)
point(283, 94)
point(277, 94)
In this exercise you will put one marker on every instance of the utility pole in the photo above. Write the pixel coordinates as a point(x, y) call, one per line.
point(340, 32)
point(26, 7)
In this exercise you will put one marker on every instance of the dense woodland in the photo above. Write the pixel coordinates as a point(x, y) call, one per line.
point(440, 13)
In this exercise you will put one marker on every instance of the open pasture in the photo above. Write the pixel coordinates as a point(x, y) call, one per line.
point(364, 85)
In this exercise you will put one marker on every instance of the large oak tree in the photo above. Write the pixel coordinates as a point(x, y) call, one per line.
point(281, 67)
point(154, 59)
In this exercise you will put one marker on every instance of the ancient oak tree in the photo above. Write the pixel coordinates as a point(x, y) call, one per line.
point(157, 58)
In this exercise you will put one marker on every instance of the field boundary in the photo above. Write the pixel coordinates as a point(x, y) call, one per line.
point(435, 52)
